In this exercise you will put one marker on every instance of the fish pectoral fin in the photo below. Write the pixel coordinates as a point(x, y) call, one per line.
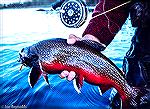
point(104, 88)
point(78, 83)
point(34, 75)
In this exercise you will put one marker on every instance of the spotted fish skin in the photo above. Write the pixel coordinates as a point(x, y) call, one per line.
point(55, 55)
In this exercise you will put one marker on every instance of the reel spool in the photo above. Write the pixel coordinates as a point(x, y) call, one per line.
point(73, 13)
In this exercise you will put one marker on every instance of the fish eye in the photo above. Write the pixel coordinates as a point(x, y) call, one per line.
point(34, 57)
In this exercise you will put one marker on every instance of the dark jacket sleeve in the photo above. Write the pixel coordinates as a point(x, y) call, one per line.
point(57, 4)
point(106, 26)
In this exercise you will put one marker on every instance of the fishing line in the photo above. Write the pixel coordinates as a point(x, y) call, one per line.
point(111, 9)
point(108, 20)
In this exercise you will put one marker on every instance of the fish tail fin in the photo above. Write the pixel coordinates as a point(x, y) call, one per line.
point(34, 76)
point(136, 95)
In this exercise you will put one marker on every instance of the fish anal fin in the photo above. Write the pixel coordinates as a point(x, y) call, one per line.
point(104, 88)
point(34, 75)
point(78, 83)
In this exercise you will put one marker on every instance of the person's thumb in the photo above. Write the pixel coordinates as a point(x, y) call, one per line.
point(72, 39)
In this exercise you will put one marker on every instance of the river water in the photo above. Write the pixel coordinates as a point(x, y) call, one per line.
point(24, 27)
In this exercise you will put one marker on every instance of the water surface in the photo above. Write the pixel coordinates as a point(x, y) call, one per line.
point(24, 27)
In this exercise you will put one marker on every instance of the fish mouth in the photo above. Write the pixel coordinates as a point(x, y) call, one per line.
point(27, 58)
point(22, 61)
point(25, 61)
point(23, 57)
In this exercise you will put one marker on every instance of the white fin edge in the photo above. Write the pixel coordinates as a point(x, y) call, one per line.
point(29, 78)
point(100, 92)
point(75, 86)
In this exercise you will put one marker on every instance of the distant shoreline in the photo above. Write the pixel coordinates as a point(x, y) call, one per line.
point(23, 5)
point(30, 5)
point(40, 6)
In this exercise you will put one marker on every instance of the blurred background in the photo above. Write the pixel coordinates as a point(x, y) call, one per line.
point(34, 3)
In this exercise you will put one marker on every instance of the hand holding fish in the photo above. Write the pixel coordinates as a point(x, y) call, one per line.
point(71, 40)
point(70, 75)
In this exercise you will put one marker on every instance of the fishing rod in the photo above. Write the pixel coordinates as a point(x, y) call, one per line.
point(76, 17)
point(112, 9)
point(73, 13)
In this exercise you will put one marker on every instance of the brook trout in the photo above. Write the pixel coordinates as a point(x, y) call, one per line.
point(84, 57)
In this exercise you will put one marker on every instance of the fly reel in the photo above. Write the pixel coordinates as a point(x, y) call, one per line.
point(73, 13)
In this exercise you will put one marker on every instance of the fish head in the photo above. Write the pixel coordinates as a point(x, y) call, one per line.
point(28, 57)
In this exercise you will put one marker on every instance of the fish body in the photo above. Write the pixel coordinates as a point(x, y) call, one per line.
point(84, 57)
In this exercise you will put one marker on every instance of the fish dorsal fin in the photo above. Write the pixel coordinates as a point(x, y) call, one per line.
point(34, 75)
point(95, 45)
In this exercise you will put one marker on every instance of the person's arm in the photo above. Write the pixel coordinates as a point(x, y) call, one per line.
point(57, 4)
point(106, 26)
point(97, 28)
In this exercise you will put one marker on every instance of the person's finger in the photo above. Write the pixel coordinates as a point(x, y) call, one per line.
point(71, 75)
point(72, 39)
point(64, 74)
